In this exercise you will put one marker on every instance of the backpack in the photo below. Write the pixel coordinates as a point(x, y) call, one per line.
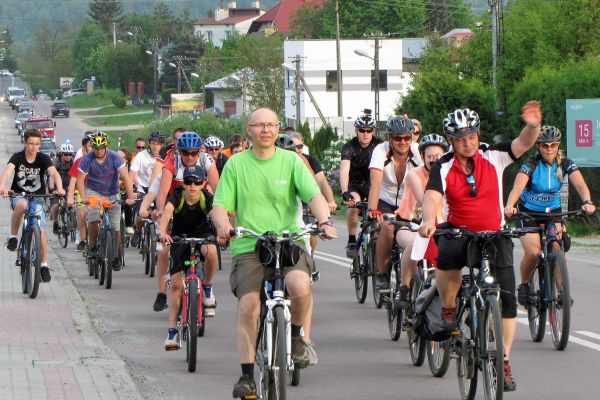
point(182, 202)
point(427, 321)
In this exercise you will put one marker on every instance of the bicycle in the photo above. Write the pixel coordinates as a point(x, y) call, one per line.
point(29, 251)
point(363, 263)
point(549, 283)
point(148, 246)
point(106, 237)
point(67, 224)
point(274, 340)
point(122, 231)
point(479, 343)
point(191, 322)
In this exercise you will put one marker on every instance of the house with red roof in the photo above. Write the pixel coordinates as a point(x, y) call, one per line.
point(277, 19)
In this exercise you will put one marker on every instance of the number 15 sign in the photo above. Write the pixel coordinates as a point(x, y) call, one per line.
point(583, 131)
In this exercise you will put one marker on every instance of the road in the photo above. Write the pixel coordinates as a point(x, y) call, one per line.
point(357, 360)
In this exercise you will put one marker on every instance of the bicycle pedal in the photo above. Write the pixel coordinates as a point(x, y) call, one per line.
point(252, 397)
point(209, 312)
point(315, 276)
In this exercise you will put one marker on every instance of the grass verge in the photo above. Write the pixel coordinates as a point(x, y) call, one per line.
point(120, 120)
point(125, 139)
point(99, 98)
point(112, 110)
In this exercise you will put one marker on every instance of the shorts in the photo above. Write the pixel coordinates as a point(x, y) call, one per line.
point(533, 223)
point(179, 253)
point(362, 190)
point(386, 208)
point(140, 198)
point(77, 199)
point(247, 273)
point(114, 214)
point(307, 217)
point(40, 206)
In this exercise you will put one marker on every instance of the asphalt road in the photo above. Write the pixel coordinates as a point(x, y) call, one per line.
point(357, 360)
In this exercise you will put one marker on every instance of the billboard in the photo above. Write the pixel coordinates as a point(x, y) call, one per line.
point(65, 83)
point(187, 102)
point(583, 132)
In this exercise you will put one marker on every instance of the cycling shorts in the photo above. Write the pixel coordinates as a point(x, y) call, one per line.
point(362, 190)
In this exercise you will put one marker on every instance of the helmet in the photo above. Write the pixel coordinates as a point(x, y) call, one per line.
point(67, 148)
point(213, 141)
point(461, 123)
point(400, 125)
point(156, 137)
point(365, 121)
point(189, 141)
point(285, 142)
point(432, 140)
point(549, 133)
point(100, 140)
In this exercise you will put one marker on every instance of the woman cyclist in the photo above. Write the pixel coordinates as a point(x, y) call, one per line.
point(537, 189)
point(214, 147)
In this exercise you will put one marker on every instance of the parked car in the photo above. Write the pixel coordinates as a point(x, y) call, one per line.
point(73, 92)
point(48, 147)
point(60, 108)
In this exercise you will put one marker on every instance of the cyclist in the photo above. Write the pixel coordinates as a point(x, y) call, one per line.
point(140, 173)
point(29, 166)
point(63, 164)
point(537, 189)
point(390, 162)
point(127, 156)
point(234, 141)
point(213, 146)
point(86, 147)
point(354, 171)
point(189, 207)
point(418, 129)
point(140, 145)
point(270, 181)
point(468, 180)
point(99, 173)
point(73, 193)
point(431, 147)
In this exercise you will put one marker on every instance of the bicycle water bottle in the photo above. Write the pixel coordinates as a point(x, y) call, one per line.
point(551, 231)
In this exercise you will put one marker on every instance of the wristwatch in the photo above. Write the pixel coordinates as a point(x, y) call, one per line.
point(329, 222)
point(588, 202)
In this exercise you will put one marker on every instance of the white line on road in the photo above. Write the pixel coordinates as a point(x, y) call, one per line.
point(589, 334)
point(572, 338)
point(328, 259)
point(346, 259)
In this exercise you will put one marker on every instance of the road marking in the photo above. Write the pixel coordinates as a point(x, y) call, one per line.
point(572, 338)
point(589, 334)
point(585, 343)
point(345, 265)
point(346, 259)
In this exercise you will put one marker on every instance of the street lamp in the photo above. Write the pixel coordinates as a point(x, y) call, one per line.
point(155, 72)
point(375, 59)
point(195, 75)
point(178, 76)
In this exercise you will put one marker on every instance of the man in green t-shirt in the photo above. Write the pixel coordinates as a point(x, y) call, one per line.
point(262, 186)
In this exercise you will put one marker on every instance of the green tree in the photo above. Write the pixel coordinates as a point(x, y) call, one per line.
point(89, 37)
point(445, 15)
point(105, 13)
point(7, 60)
point(306, 21)
point(122, 64)
point(164, 21)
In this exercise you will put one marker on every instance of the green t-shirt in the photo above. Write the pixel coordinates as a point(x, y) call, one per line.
point(263, 193)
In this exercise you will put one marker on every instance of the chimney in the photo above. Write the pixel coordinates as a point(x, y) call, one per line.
point(255, 4)
point(232, 4)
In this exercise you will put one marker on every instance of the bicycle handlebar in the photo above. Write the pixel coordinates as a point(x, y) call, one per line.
point(547, 217)
point(507, 232)
point(34, 195)
point(272, 236)
point(400, 223)
point(195, 241)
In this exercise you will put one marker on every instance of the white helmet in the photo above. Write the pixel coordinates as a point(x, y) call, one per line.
point(213, 141)
point(67, 148)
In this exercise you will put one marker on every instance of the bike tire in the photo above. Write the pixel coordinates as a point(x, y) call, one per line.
point(377, 298)
point(536, 313)
point(101, 256)
point(492, 349)
point(34, 257)
point(192, 320)
point(23, 261)
point(361, 268)
point(559, 309)
point(151, 256)
point(108, 256)
point(72, 224)
point(91, 266)
point(261, 361)
point(144, 246)
point(438, 357)
point(219, 257)
point(394, 313)
point(466, 370)
point(63, 230)
point(416, 344)
point(278, 382)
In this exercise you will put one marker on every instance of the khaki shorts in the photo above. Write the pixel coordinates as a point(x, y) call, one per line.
point(247, 273)
point(114, 214)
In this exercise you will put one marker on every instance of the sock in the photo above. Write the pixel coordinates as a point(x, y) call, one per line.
point(248, 369)
point(351, 238)
point(12, 236)
point(448, 314)
point(172, 332)
point(207, 288)
point(44, 264)
point(296, 330)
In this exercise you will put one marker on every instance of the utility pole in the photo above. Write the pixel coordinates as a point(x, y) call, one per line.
point(338, 57)
point(376, 62)
point(154, 43)
point(114, 26)
point(495, 12)
point(297, 84)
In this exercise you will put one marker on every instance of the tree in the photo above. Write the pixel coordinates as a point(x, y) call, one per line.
point(306, 21)
point(89, 36)
point(105, 13)
point(445, 15)
point(122, 64)
point(7, 60)
point(164, 21)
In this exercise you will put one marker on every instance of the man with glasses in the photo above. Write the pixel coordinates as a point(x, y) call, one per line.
point(213, 146)
point(468, 182)
point(390, 162)
point(354, 172)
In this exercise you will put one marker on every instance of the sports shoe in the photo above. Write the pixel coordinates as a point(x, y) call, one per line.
point(160, 303)
point(351, 250)
point(244, 387)
point(172, 340)
point(523, 294)
point(12, 244)
point(129, 230)
point(55, 228)
point(300, 354)
point(509, 381)
point(45, 273)
point(116, 264)
point(312, 354)
point(449, 324)
point(209, 300)
point(403, 297)
point(81, 245)
point(382, 282)
point(135, 239)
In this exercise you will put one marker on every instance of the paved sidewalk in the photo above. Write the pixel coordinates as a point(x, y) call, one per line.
point(49, 348)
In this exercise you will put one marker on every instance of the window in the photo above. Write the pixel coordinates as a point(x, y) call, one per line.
point(382, 79)
point(209, 36)
point(331, 81)
point(290, 81)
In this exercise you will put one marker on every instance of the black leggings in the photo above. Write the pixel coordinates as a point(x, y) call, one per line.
point(128, 210)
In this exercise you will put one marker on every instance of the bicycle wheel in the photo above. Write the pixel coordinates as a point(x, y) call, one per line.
point(151, 256)
point(560, 304)
point(536, 313)
point(373, 271)
point(101, 250)
point(23, 261)
point(360, 267)
point(144, 246)
point(192, 338)
point(416, 344)
point(262, 351)
point(438, 357)
point(34, 257)
point(492, 350)
point(465, 360)
point(72, 224)
point(277, 390)
point(394, 312)
point(63, 231)
point(91, 265)
point(108, 256)
point(219, 257)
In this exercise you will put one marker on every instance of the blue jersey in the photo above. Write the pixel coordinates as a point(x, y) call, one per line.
point(543, 189)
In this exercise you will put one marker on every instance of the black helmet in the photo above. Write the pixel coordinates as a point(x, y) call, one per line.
point(285, 142)
point(461, 122)
point(432, 140)
point(365, 121)
point(157, 137)
point(400, 125)
point(549, 134)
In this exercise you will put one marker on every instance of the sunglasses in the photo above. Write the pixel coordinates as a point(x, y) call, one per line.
point(192, 153)
point(213, 149)
point(68, 155)
point(401, 138)
point(365, 130)
point(471, 182)
point(299, 146)
point(192, 181)
point(550, 145)
point(140, 147)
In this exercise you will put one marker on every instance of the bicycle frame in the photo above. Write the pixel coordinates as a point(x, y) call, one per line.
point(192, 263)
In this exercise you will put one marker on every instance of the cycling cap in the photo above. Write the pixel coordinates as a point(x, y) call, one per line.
point(100, 140)
point(400, 125)
point(365, 121)
point(195, 171)
point(213, 141)
point(189, 141)
point(285, 142)
point(461, 123)
point(157, 137)
point(548, 134)
point(67, 148)
point(432, 140)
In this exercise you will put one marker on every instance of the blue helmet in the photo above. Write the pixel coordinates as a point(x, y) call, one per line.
point(189, 141)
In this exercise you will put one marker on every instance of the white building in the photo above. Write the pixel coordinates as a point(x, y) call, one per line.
point(230, 95)
point(227, 21)
point(397, 59)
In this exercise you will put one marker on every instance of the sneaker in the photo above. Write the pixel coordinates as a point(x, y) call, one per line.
point(128, 230)
point(12, 244)
point(116, 264)
point(245, 387)
point(312, 354)
point(45, 273)
point(135, 239)
point(209, 300)
point(523, 294)
point(403, 297)
point(449, 324)
point(160, 303)
point(172, 340)
point(382, 282)
point(81, 245)
point(509, 381)
point(55, 228)
point(351, 250)
point(300, 354)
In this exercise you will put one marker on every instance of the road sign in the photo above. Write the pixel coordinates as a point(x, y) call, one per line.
point(65, 83)
point(583, 132)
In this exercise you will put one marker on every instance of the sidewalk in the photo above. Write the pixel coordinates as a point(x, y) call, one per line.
point(49, 348)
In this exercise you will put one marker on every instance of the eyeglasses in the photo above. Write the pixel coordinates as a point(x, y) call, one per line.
point(550, 145)
point(300, 146)
point(365, 130)
point(471, 182)
point(192, 181)
point(192, 153)
point(140, 147)
point(416, 133)
point(265, 125)
point(213, 149)
point(68, 155)
point(399, 138)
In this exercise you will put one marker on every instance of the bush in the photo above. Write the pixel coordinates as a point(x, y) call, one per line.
point(146, 101)
point(119, 102)
point(304, 129)
point(322, 141)
point(166, 95)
